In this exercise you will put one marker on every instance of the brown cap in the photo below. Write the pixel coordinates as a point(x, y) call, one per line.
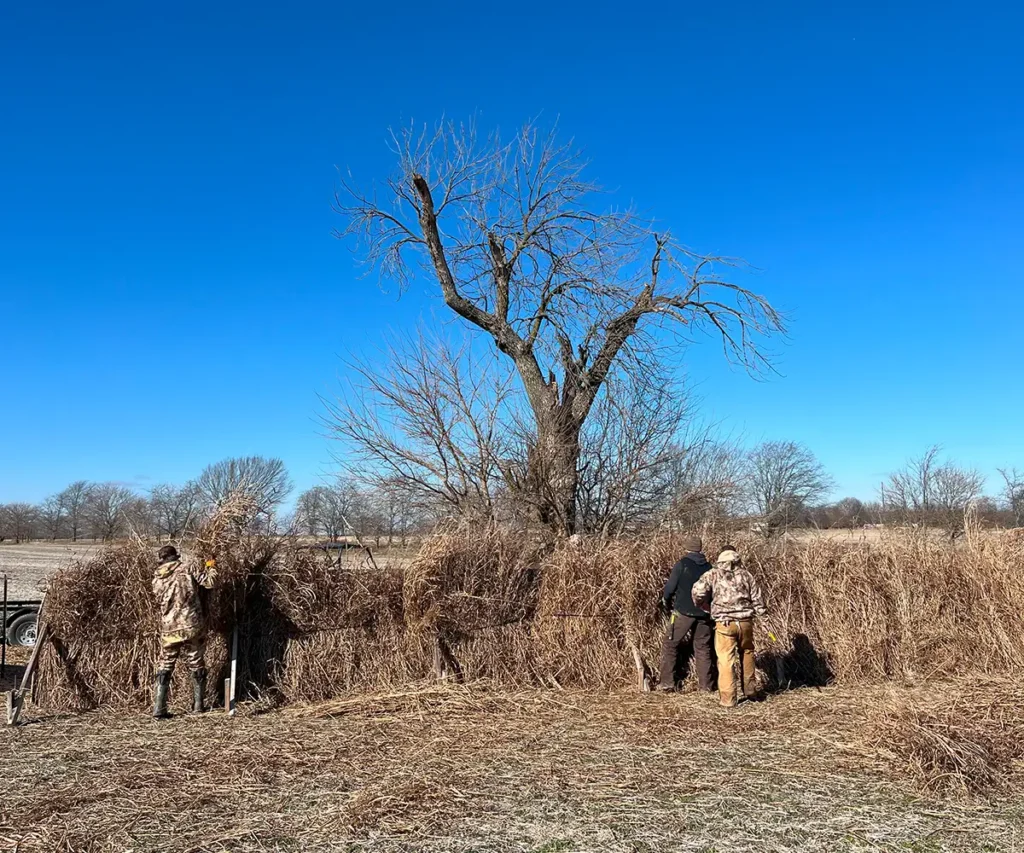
point(692, 544)
point(167, 553)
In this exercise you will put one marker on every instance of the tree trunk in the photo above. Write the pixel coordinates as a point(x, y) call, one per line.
point(552, 474)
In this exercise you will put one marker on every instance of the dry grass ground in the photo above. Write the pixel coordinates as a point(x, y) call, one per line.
point(444, 768)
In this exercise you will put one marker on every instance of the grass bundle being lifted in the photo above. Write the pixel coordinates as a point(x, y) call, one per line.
point(102, 617)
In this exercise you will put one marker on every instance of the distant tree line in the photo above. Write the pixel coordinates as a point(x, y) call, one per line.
point(108, 511)
point(632, 478)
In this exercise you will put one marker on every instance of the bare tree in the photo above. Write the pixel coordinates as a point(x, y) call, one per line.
point(783, 479)
point(705, 479)
point(53, 516)
point(1013, 494)
point(266, 480)
point(435, 418)
point(565, 292)
point(107, 510)
point(75, 499)
point(926, 492)
point(175, 510)
point(18, 521)
point(309, 510)
point(954, 490)
point(908, 491)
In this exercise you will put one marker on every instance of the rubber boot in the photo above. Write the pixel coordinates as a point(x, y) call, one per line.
point(199, 691)
point(160, 687)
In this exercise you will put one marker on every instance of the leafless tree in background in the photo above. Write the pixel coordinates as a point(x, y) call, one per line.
point(954, 490)
point(324, 511)
point(909, 490)
point(1013, 493)
point(175, 510)
point(53, 516)
point(76, 499)
point(433, 420)
point(929, 493)
point(18, 521)
point(566, 292)
point(705, 479)
point(266, 480)
point(106, 510)
point(782, 480)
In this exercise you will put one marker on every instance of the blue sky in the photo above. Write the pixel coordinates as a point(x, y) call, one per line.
point(171, 293)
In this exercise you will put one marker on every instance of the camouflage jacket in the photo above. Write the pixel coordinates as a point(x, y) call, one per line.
point(734, 593)
point(176, 588)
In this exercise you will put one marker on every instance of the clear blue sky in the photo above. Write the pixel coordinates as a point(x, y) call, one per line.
point(171, 294)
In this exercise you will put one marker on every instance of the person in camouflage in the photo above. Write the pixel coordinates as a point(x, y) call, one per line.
point(736, 598)
point(176, 585)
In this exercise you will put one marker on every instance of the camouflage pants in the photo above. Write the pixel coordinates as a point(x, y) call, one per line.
point(171, 648)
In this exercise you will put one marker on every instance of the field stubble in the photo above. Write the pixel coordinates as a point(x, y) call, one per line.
point(448, 767)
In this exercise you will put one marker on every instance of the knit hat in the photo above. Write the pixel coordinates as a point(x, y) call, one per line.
point(167, 553)
point(728, 557)
point(692, 544)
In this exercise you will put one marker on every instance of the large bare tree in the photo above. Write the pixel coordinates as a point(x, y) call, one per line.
point(265, 480)
point(783, 479)
point(53, 516)
point(75, 499)
point(569, 290)
point(108, 509)
point(18, 521)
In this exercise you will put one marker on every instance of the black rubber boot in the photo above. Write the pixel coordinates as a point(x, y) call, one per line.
point(160, 687)
point(199, 691)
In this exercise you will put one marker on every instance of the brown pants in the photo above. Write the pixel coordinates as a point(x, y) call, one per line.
point(687, 635)
point(734, 646)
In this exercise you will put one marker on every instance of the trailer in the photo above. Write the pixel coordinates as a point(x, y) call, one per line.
point(21, 622)
point(19, 619)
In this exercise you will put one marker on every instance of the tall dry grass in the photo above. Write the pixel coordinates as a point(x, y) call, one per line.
point(492, 604)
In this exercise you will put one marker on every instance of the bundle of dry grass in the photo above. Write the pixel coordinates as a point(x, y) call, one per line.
point(345, 626)
point(907, 606)
point(966, 740)
point(492, 605)
point(470, 598)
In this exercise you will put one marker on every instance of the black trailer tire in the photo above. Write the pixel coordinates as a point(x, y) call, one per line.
point(22, 630)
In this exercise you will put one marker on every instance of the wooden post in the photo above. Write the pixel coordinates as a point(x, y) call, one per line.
point(234, 670)
point(227, 695)
point(3, 627)
point(643, 679)
point(14, 708)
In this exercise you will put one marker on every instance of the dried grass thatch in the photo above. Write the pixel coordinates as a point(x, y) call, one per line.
point(967, 740)
point(492, 605)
